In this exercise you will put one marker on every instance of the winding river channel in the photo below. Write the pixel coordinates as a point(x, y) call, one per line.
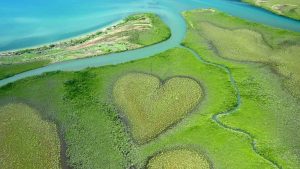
point(57, 21)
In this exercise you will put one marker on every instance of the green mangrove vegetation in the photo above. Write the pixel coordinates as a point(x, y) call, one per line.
point(263, 63)
point(8, 70)
point(227, 98)
point(288, 8)
point(82, 103)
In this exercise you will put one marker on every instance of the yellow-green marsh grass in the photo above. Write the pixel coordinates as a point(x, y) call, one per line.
point(152, 105)
point(250, 45)
point(26, 141)
point(179, 159)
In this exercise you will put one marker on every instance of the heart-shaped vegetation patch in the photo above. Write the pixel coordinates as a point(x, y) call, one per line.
point(179, 159)
point(152, 105)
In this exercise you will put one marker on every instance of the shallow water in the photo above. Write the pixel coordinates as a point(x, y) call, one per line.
point(35, 22)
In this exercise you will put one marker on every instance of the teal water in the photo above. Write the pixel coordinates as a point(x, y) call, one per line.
point(35, 22)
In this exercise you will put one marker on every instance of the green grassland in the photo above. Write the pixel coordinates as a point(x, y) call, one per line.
point(178, 159)
point(263, 62)
point(136, 31)
point(288, 8)
point(26, 141)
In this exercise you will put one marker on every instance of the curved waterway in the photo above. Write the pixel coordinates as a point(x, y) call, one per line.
point(24, 24)
point(216, 117)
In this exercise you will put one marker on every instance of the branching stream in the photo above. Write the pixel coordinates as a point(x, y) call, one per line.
point(216, 117)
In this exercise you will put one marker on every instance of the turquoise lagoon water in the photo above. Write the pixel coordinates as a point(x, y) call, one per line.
point(34, 22)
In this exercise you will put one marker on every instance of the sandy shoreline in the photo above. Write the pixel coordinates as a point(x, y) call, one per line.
point(112, 24)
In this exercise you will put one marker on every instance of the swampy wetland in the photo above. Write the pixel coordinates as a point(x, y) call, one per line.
point(170, 84)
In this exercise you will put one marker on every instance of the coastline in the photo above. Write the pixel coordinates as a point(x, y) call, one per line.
point(112, 24)
point(87, 57)
point(140, 30)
